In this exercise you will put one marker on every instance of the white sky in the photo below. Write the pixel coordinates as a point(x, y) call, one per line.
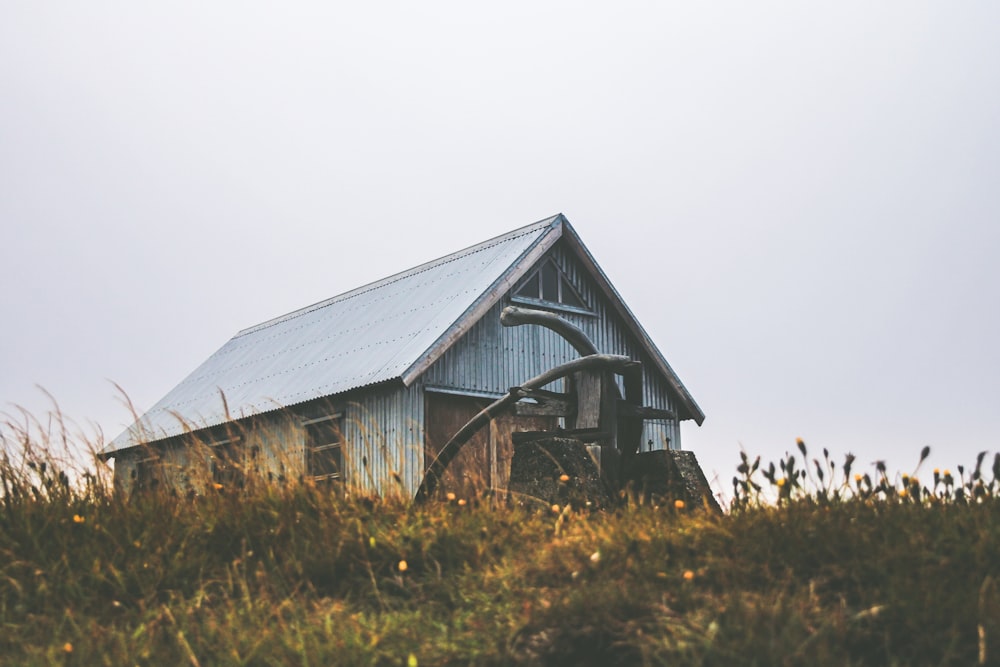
point(798, 200)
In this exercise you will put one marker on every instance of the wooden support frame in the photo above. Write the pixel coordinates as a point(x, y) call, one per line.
point(547, 404)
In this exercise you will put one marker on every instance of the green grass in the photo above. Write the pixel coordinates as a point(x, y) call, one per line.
point(834, 571)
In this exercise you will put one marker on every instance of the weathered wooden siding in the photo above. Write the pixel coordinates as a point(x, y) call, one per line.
point(382, 434)
point(268, 447)
point(491, 359)
point(484, 462)
point(383, 441)
point(173, 466)
point(275, 447)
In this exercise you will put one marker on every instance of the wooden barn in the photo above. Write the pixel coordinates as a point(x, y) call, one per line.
point(364, 388)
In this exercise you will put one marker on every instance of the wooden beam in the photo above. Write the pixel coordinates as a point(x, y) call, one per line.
point(549, 404)
point(628, 410)
point(588, 387)
point(542, 410)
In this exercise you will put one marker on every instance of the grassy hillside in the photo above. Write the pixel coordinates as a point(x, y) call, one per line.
point(840, 568)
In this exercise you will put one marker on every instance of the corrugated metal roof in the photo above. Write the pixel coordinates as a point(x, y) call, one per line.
point(369, 335)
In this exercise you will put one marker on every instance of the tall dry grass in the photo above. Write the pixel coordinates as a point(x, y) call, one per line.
point(836, 570)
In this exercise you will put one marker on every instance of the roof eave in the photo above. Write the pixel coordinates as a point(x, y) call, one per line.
point(487, 300)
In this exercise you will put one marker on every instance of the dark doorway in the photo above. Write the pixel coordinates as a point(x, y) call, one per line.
point(484, 463)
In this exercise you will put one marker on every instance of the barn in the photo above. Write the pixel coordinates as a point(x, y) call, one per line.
point(363, 389)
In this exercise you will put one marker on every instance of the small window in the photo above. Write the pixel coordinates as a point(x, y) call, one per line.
point(550, 285)
point(325, 449)
point(531, 287)
point(550, 282)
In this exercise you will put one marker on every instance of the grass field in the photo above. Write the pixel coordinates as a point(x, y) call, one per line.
point(839, 567)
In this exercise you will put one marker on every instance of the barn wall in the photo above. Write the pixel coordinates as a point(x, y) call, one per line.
point(126, 462)
point(491, 358)
point(124, 470)
point(167, 466)
point(274, 447)
point(384, 431)
point(268, 447)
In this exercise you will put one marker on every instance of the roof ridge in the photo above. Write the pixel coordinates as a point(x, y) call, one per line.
point(402, 275)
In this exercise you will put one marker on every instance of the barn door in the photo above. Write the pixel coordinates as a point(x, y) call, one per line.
point(484, 462)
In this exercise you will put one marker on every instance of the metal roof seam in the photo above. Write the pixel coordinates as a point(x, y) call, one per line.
point(235, 345)
point(403, 275)
point(319, 341)
point(292, 370)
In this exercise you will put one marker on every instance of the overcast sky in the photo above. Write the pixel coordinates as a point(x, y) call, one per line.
point(799, 201)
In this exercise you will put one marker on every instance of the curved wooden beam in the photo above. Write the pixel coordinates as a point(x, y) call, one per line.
point(512, 316)
point(435, 470)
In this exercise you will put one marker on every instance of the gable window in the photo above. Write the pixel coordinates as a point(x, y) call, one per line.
point(325, 448)
point(550, 285)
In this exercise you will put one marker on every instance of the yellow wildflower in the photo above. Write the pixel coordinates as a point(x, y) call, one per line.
point(679, 504)
point(564, 478)
point(403, 566)
point(68, 647)
point(688, 575)
point(78, 519)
